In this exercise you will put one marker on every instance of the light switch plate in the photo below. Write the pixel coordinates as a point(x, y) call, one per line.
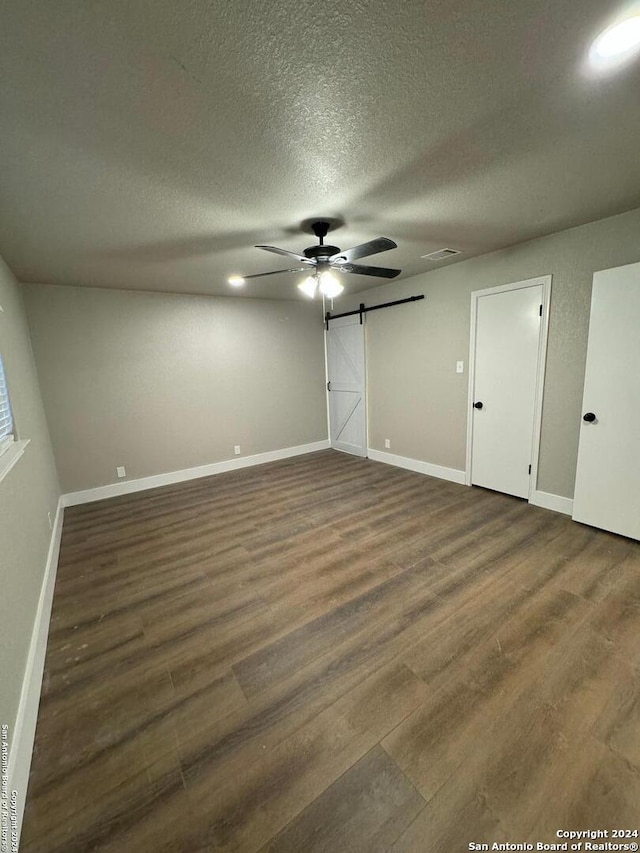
point(459, 366)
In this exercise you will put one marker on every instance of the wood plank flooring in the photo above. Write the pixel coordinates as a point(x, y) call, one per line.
point(331, 654)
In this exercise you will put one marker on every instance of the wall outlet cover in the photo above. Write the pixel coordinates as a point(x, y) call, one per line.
point(387, 443)
point(120, 471)
point(236, 450)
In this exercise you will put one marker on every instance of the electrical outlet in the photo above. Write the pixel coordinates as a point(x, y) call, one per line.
point(120, 471)
point(387, 443)
point(236, 450)
point(50, 521)
point(459, 366)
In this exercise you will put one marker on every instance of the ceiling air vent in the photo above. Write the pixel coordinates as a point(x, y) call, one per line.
point(441, 254)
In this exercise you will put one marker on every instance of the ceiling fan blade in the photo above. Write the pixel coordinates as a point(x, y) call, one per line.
point(383, 272)
point(380, 244)
point(274, 272)
point(285, 253)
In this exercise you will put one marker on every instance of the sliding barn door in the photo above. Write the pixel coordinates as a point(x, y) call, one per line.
point(607, 492)
point(346, 373)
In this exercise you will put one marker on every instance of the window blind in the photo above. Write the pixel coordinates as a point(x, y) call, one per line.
point(6, 418)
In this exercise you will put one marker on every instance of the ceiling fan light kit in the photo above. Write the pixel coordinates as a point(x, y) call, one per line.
point(309, 286)
point(318, 261)
point(325, 282)
point(329, 285)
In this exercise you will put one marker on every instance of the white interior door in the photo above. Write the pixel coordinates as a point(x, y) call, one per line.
point(508, 324)
point(607, 492)
point(346, 374)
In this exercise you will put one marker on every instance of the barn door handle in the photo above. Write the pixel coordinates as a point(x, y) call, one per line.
point(477, 405)
point(589, 417)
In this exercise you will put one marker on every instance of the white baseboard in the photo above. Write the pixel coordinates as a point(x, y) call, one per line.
point(128, 486)
point(452, 474)
point(544, 499)
point(23, 735)
point(555, 502)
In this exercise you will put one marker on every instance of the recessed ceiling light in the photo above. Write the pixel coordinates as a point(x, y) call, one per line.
point(617, 44)
point(236, 280)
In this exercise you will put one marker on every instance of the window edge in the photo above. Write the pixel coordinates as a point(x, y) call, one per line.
point(10, 456)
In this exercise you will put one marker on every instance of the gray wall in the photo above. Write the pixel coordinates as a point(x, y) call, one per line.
point(417, 400)
point(27, 493)
point(160, 382)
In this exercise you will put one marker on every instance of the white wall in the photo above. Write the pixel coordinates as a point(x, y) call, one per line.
point(415, 397)
point(27, 493)
point(159, 382)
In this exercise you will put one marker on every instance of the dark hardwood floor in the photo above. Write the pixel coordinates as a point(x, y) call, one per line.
point(331, 654)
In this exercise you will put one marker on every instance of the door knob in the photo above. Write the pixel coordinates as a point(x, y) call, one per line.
point(589, 417)
point(477, 405)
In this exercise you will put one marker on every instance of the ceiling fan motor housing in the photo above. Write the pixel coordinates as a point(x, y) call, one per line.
point(321, 252)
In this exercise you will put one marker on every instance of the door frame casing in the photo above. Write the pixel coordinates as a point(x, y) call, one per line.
point(476, 295)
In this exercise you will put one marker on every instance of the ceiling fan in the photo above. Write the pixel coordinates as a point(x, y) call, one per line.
point(320, 260)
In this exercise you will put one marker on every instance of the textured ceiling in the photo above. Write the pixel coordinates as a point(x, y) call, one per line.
point(150, 144)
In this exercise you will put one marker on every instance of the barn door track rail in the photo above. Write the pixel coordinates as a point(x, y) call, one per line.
point(364, 310)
